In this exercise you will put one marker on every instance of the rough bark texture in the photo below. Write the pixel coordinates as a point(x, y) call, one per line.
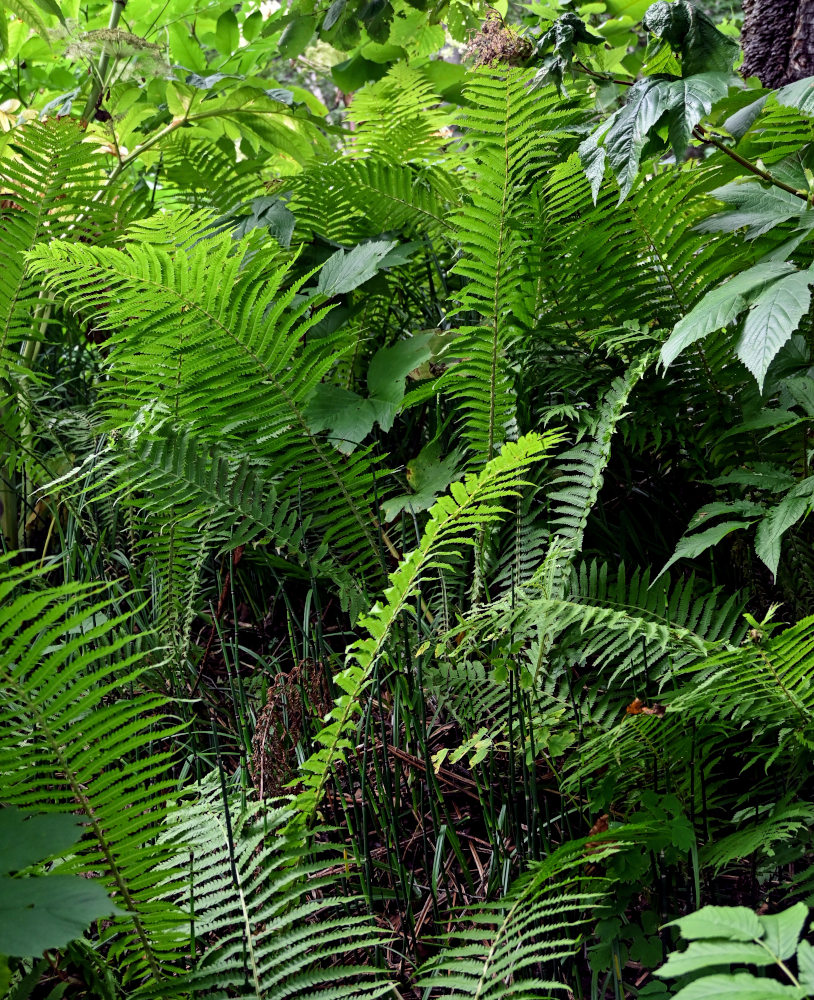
point(801, 54)
point(768, 27)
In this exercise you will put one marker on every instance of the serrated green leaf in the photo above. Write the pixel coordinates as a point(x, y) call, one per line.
point(781, 931)
point(799, 94)
point(756, 208)
point(736, 923)
point(708, 512)
point(805, 965)
point(774, 315)
point(774, 525)
point(692, 34)
point(692, 546)
point(347, 269)
point(48, 911)
point(706, 954)
point(739, 123)
point(721, 306)
point(647, 102)
point(741, 986)
point(691, 98)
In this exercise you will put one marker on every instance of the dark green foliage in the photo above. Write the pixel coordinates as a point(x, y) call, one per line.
point(375, 450)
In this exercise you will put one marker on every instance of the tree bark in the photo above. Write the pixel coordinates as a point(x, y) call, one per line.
point(778, 40)
point(801, 55)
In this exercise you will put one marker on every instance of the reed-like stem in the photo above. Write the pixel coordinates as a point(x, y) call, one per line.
point(100, 75)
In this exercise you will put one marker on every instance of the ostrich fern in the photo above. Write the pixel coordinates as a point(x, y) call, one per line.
point(68, 746)
point(272, 918)
point(210, 349)
point(509, 127)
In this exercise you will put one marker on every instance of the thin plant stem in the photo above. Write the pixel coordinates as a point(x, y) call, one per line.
point(100, 75)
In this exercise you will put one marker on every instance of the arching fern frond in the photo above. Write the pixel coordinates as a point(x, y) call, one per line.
point(228, 494)
point(621, 636)
point(512, 948)
point(211, 333)
point(203, 176)
point(49, 180)
point(349, 200)
point(398, 117)
point(765, 684)
point(582, 470)
point(454, 523)
point(646, 261)
point(271, 922)
point(67, 746)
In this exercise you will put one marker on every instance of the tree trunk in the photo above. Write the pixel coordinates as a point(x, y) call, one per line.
point(778, 40)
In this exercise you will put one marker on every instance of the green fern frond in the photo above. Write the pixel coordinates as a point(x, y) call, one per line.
point(582, 471)
point(209, 330)
point(398, 118)
point(511, 948)
point(226, 494)
point(508, 126)
point(67, 746)
point(202, 176)
point(622, 635)
point(272, 922)
point(673, 619)
point(350, 200)
point(646, 262)
point(760, 834)
point(454, 522)
point(765, 684)
point(779, 132)
point(49, 185)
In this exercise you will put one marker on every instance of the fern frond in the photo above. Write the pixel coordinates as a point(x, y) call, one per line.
point(511, 948)
point(66, 745)
point(398, 117)
point(350, 200)
point(645, 260)
point(582, 473)
point(620, 635)
point(273, 924)
point(454, 521)
point(202, 176)
point(49, 185)
point(765, 684)
point(760, 834)
point(209, 333)
point(508, 125)
point(225, 493)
